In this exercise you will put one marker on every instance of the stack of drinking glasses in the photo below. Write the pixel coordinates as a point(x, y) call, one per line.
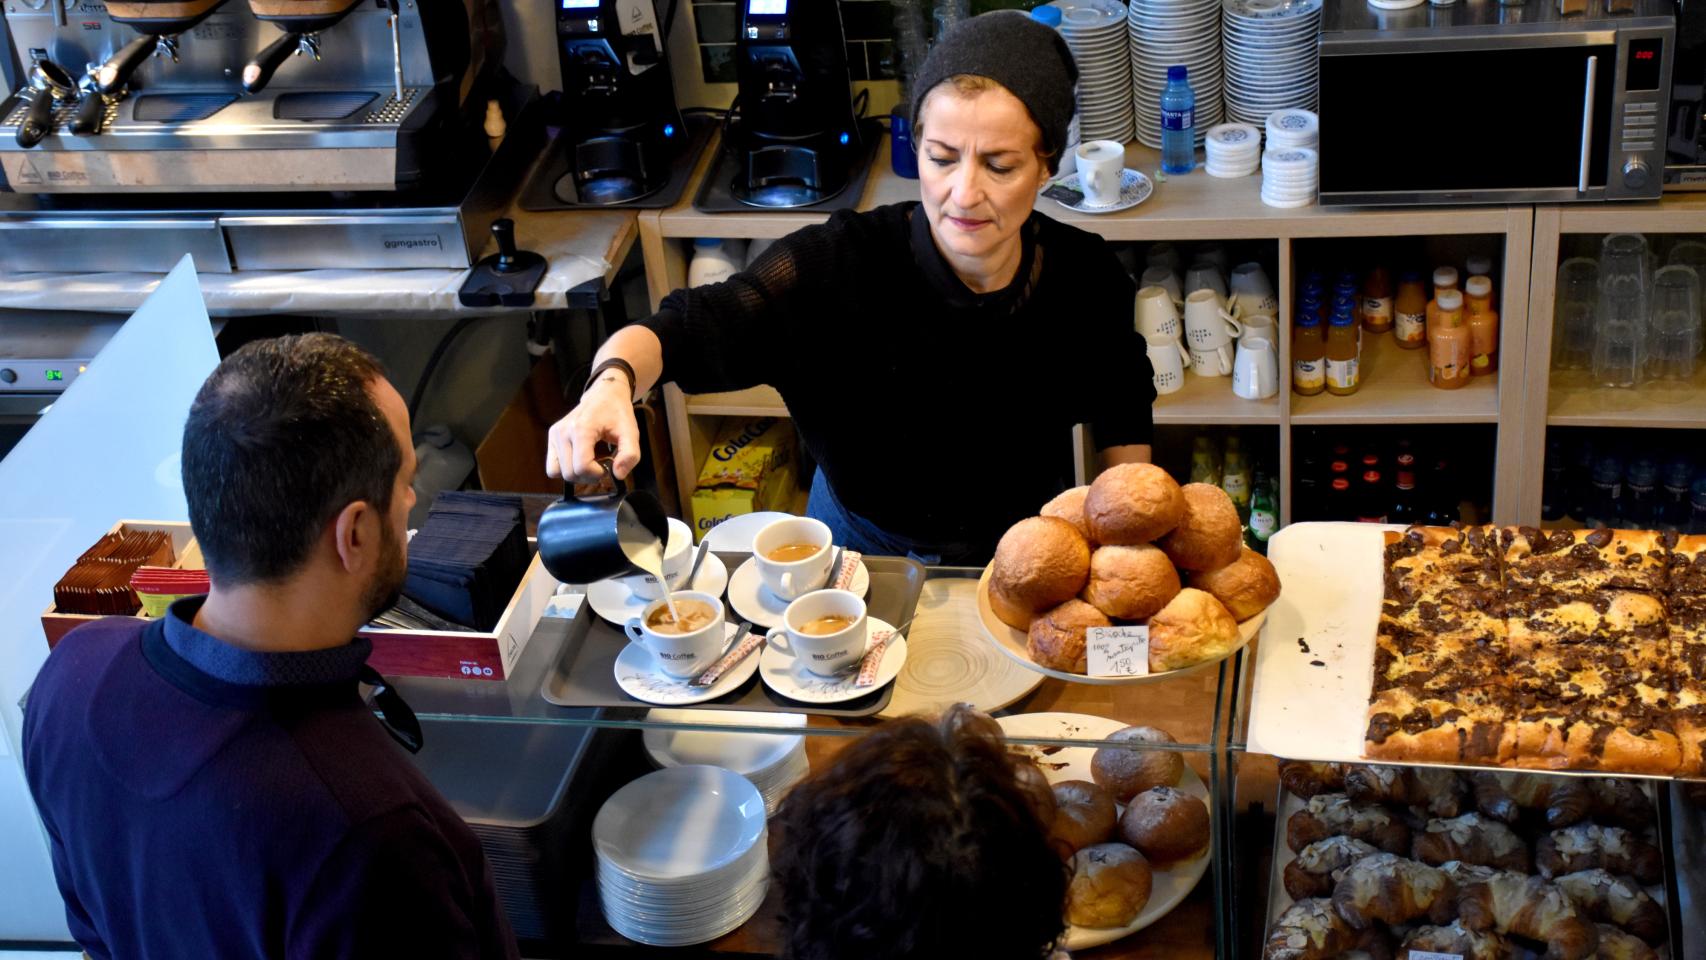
point(1626, 318)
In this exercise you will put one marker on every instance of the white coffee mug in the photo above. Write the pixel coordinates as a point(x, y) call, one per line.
point(1208, 324)
point(681, 654)
point(1255, 369)
point(824, 654)
point(1166, 279)
point(1168, 357)
point(1214, 253)
point(1250, 284)
point(1100, 163)
point(1204, 276)
point(1255, 324)
point(677, 558)
point(1212, 361)
point(1157, 314)
point(788, 579)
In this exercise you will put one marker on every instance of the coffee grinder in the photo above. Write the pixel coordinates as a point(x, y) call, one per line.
point(794, 130)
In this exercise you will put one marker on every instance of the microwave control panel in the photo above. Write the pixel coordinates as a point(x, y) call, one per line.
point(1638, 121)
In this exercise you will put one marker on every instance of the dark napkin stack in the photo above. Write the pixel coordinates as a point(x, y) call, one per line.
point(468, 557)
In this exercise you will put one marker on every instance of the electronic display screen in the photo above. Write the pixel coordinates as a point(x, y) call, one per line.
point(1646, 56)
point(580, 4)
point(767, 8)
point(53, 375)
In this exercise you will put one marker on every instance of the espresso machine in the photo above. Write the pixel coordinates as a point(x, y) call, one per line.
point(254, 134)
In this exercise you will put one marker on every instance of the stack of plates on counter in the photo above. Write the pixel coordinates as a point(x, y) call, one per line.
point(1167, 33)
point(1234, 150)
point(1293, 128)
point(772, 762)
point(682, 855)
point(1095, 30)
point(1291, 177)
point(1272, 56)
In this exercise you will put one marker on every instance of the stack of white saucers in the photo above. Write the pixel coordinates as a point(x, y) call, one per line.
point(1291, 177)
point(682, 855)
point(1234, 150)
point(1272, 56)
point(774, 762)
point(1293, 128)
point(1168, 33)
point(1095, 30)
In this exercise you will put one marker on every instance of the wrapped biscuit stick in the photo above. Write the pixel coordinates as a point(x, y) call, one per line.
point(842, 578)
point(742, 649)
point(873, 658)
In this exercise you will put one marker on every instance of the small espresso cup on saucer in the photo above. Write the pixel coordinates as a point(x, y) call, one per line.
point(1157, 314)
point(1168, 358)
point(677, 558)
point(1208, 324)
point(793, 556)
point(681, 653)
point(824, 632)
point(1100, 164)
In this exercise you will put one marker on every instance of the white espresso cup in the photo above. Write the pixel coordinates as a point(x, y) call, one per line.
point(677, 558)
point(1100, 163)
point(1157, 315)
point(824, 654)
point(1251, 286)
point(1204, 276)
point(1255, 324)
point(793, 578)
point(681, 655)
point(1168, 357)
point(1255, 369)
point(1212, 361)
point(1166, 279)
point(1208, 324)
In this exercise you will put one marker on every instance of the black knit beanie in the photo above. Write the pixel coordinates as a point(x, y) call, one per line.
point(1027, 57)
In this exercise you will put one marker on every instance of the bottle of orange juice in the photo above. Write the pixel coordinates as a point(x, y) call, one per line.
point(1344, 360)
point(1449, 341)
point(1377, 301)
point(1410, 311)
point(1308, 351)
point(1483, 323)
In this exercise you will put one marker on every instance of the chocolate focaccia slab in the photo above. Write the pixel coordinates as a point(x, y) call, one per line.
point(1459, 568)
point(1584, 561)
point(1468, 725)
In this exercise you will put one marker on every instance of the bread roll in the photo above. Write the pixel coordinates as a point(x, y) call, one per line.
point(1084, 814)
point(1192, 628)
point(1245, 586)
point(1069, 506)
point(1208, 534)
point(1130, 582)
point(1056, 639)
point(1132, 503)
point(1166, 825)
point(1036, 788)
point(1015, 615)
point(1126, 773)
point(1111, 884)
point(1040, 562)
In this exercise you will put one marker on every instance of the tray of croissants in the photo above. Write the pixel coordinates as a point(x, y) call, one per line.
point(1134, 547)
point(1419, 863)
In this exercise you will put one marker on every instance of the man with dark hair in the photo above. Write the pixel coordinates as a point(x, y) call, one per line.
point(211, 782)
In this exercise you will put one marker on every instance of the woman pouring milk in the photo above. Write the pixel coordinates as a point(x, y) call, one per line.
point(934, 355)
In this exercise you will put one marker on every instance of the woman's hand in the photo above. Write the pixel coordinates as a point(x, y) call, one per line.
point(605, 414)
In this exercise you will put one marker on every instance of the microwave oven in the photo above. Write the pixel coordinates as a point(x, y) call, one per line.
point(1484, 103)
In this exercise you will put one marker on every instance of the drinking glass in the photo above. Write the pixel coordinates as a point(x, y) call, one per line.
point(1572, 318)
point(1623, 266)
point(1674, 326)
point(1689, 253)
point(1619, 338)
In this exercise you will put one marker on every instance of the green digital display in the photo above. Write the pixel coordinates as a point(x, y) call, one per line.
point(54, 375)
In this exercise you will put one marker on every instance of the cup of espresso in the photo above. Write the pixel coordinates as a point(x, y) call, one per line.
point(677, 558)
point(793, 556)
point(824, 631)
point(685, 647)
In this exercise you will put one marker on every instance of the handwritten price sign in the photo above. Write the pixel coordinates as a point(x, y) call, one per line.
point(1117, 651)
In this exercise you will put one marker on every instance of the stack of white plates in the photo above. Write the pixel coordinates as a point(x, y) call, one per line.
point(1272, 56)
point(1167, 33)
point(774, 762)
point(1291, 176)
point(681, 856)
point(1293, 128)
point(1234, 150)
point(1095, 30)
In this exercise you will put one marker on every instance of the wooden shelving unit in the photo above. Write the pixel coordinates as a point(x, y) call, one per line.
point(1576, 401)
point(1209, 401)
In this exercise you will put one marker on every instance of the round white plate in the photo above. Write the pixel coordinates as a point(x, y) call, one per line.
point(1013, 643)
point(612, 600)
point(753, 602)
point(638, 675)
point(1134, 189)
point(679, 823)
point(783, 674)
point(744, 753)
point(1172, 884)
point(1287, 204)
point(735, 534)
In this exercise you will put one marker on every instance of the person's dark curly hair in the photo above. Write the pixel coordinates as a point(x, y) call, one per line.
point(918, 844)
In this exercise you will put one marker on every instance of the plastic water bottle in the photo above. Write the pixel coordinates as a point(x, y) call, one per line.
point(1178, 124)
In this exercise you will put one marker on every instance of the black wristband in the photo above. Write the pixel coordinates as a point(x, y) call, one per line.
point(614, 363)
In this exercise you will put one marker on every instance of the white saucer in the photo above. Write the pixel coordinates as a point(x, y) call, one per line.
point(612, 600)
point(638, 676)
point(750, 600)
point(783, 674)
point(735, 534)
point(1134, 189)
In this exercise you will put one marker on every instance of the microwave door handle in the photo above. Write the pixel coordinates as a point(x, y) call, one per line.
point(1587, 125)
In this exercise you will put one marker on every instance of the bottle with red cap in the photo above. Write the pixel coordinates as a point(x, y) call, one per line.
point(1371, 498)
point(1404, 506)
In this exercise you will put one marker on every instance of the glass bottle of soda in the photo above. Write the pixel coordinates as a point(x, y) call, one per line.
point(1673, 509)
point(1341, 503)
point(1264, 513)
point(1371, 498)
point(1404, 509)
point(1605, 503)
point(1640, 494)
point(1442, 496)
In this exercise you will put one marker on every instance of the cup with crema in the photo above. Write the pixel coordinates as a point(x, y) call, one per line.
point(686, 642)
point(793, 556)
point(824, 632)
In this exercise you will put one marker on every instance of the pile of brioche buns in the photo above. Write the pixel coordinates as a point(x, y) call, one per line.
point(1133, 547)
